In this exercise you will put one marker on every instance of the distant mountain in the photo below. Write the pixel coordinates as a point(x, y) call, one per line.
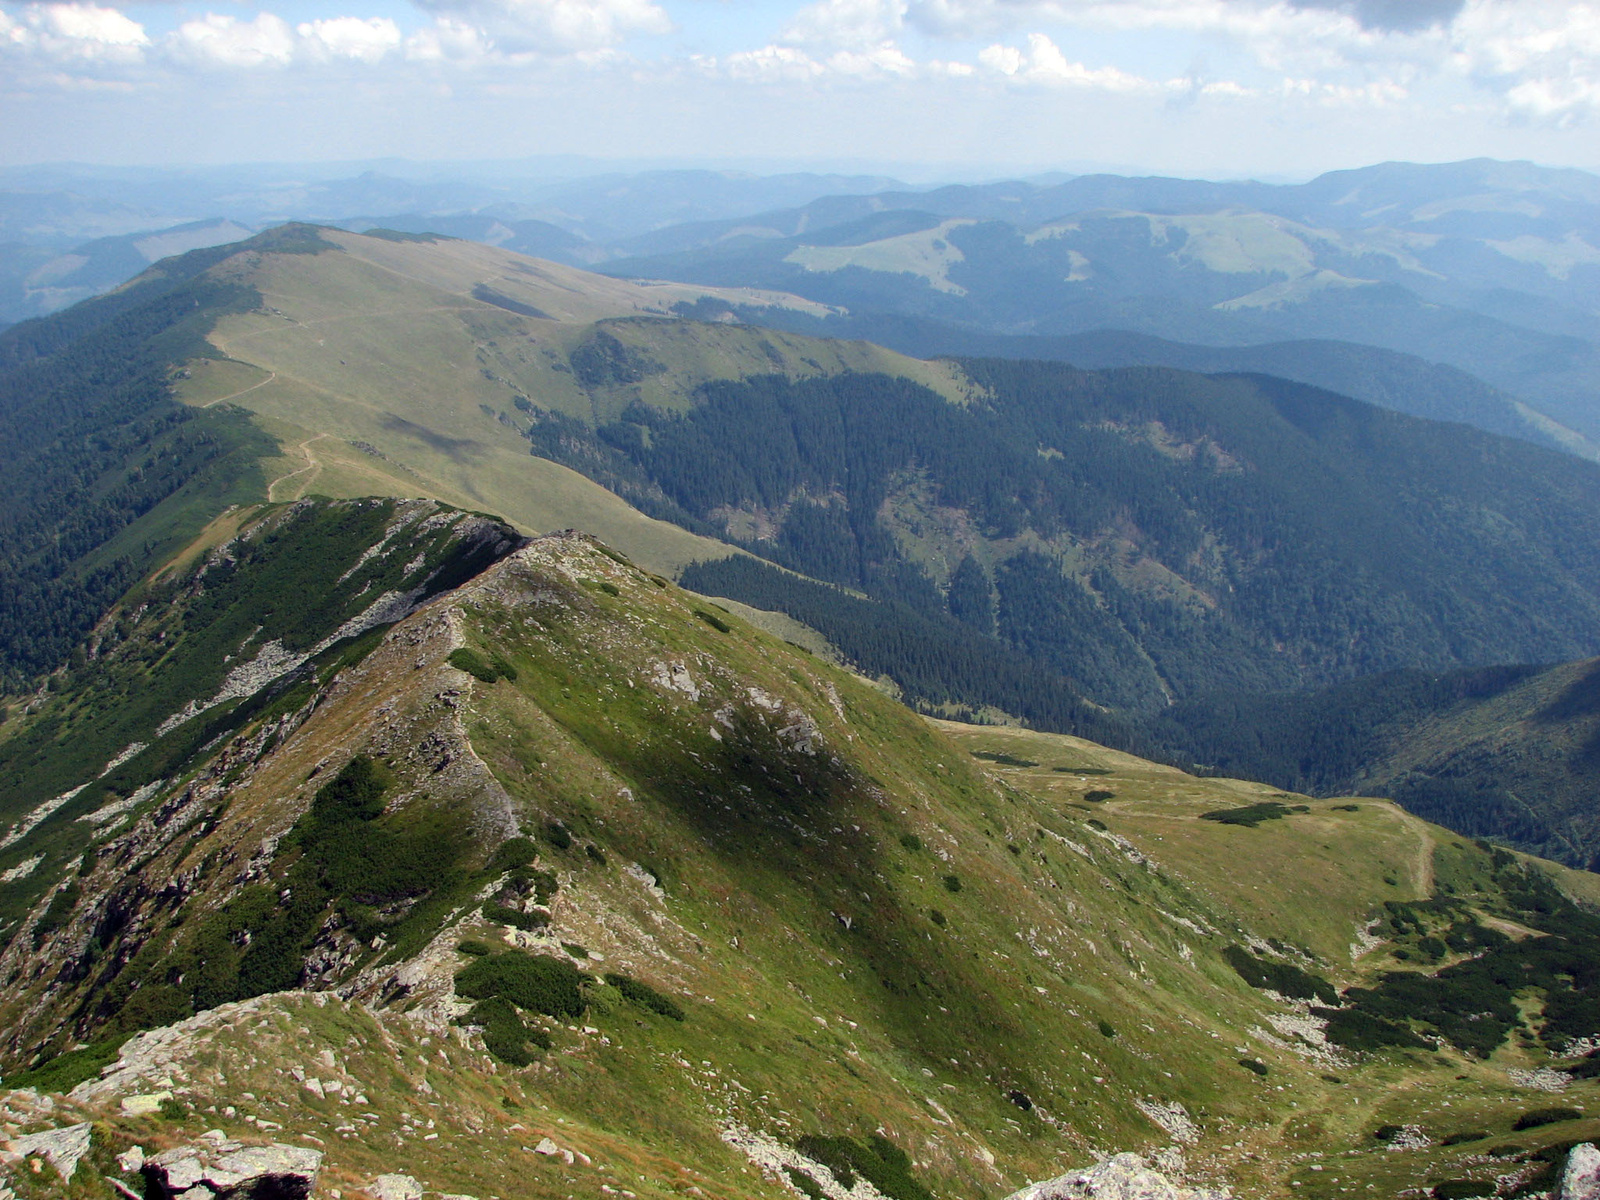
point(34, 281)
point(1386, 378)
point(1493, 268)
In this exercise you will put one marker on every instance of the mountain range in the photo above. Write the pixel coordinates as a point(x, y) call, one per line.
point(354, 822)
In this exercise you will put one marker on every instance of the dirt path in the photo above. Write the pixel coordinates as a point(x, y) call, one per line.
point(1422, 872)
point(271, 375)
point(312, 464)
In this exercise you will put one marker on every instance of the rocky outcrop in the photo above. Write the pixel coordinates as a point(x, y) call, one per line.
point(1125, 1177)
point(63, 1147)
point(218, 1169)
point(1581, 1178)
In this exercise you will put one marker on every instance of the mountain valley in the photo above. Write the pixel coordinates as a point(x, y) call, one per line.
point(802, 819)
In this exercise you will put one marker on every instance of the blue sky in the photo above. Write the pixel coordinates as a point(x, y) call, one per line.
point(1277, 88)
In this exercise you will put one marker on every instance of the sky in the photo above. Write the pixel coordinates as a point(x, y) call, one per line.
point(1276, 89)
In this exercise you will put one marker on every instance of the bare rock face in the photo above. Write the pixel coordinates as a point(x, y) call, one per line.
point(64, 1147)
point(220, 1170)
point(1581, 1179)
point(1125, 1177)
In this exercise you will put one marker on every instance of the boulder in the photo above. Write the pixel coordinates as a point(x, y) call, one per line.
point(1124, 1177)
point(217, 1170)
point(394, 1187)
point(1581, 1178)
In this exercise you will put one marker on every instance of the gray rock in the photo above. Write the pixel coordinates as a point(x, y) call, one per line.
point(63, 1147)
point(394, 1187)
point(216, 1169)
point(1125, 1177)
point(1581, 1178)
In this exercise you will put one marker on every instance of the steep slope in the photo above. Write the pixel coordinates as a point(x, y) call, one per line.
point(365, 365)
point(1144, 534)
point(1507, 752)
point(569, 854)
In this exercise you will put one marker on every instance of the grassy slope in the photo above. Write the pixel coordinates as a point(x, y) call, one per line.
point(798, 1023)
point(380, 373)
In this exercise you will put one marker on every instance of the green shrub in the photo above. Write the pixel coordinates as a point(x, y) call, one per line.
point(557, 835)
point(1284, 978)
point(505, 1035)
point(1096, 823)
point(1004, 760)
point(713, 620)
point(1106, 1029)
point(595, 853)
point(575, 950)
point(610, 589)
point(1544, 1116)
point(474, 947)
point(952, 883)
point(1388, 1133)
point(501, 914)
point(468, 660)
point(805, 1184)
point(937, 917)
point(512, 853)
point(538, 983)
point(1099, 796)
point(172, 1109)
point(645, 996)
point(543, 884)
point(876, 1159)
point(1460, 1139)
point(911, 842)
point(1509, 1150)
point(1254, 1065)
point(1250, 816)
point(1462, 1189)
point(1346, 808)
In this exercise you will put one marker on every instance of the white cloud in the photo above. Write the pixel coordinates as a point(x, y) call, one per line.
point(558, 26)
point(1042, 62)
point(773, 64)
point(853, 24)
point(74, 33)
point(219, 40)
point(1544, 57)
point(448, 40)
point(351, 38)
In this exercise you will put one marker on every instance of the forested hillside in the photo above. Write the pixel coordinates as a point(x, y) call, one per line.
point(1145, 534)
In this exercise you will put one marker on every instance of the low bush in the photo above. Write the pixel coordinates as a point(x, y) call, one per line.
point(558, 836)
point(876, 1159)
point(474, 947)
point(713, 620)
point(952, 883)
point(1284, 978)
point(1254, 1065)
point(1106, 1028)
point(538, 983)
point(1462, 1189)
point(937, 917)
point(1004, 760)
point(512, 853)
point(502, 914)
point(468, 660)
point(1249, 816)
point(1099, 796)
point(645, 996)
point(1460, 1139)
point(505, 1035)
point(911, 842)
point(805, 1184)
point(1544, 1116)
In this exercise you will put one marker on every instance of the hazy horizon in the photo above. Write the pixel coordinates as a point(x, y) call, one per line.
point(1278, 89)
